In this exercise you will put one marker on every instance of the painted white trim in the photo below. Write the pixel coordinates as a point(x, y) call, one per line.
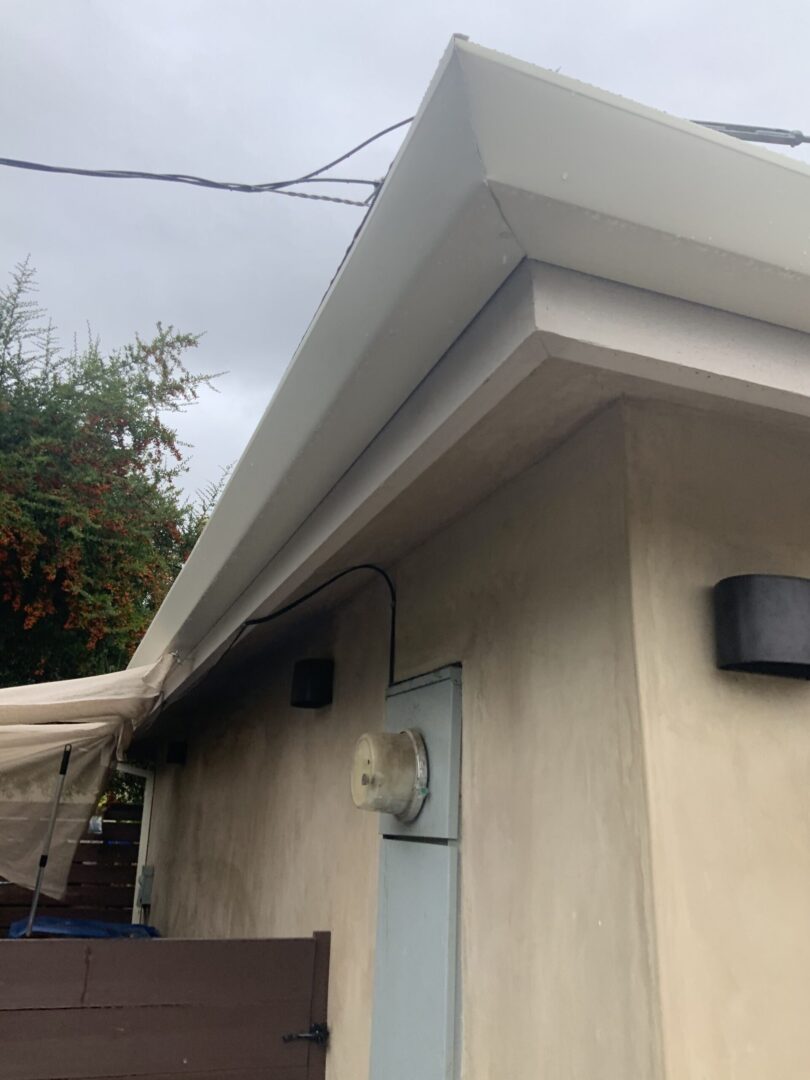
point(541, 312)
point(504, 160)
point(635, 332)
point(494, 355)
point(146, 824)
point(384, 323)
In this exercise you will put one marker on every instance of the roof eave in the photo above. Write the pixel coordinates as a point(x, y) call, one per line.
point(592, 182)
point(432, 252)
point(503, 160)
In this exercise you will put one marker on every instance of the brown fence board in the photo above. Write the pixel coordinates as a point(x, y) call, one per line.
point(90, 895)
point(97, 873)
point(168, 972)
point(102, 881)
point(319, 1002)
point(12, 914)
point(278, 1072)
point(117, 830)
point(106, 1010)
point(123, 812)
point(97, 851)
point(79, 1044)
point(32, 975)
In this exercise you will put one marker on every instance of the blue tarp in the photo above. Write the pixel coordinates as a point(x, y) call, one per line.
point(48, 926)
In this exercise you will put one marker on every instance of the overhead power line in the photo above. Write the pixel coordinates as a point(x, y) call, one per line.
point(273, 187)
point(195, 181)
point(746, 132)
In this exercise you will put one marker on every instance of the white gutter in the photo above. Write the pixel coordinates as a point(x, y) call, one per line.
point(433, 250)
point(502, 160)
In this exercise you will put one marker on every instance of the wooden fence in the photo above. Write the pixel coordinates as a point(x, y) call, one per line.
point(102, 877)
point(163, 1010)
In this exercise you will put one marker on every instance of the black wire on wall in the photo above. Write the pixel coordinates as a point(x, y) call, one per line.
point(392, 593)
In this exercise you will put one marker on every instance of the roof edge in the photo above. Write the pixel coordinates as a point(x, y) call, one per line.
point(374, 338)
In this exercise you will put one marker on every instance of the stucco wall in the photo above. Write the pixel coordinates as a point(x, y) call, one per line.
point(635, 872)
point(728, 755)
point(532, 592)
point(257, 834)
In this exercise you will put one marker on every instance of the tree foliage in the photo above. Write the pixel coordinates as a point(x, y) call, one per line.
point(93, 525)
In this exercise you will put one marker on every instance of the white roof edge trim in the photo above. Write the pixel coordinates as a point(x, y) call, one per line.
point(494, 354)
point(624, 104)
point(503, 161)
point(361, 357)
point(584, 161)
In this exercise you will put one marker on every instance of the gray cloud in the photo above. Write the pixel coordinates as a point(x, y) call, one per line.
point(254, 90)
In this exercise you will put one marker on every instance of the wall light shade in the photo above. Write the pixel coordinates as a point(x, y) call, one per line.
point(762, 625)
point(312, 683)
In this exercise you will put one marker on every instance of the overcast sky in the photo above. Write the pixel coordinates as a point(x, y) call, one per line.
point(255, 90)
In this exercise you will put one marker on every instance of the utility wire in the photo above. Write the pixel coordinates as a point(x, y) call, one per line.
point(280, 188)
point(354, 150)
point(392, 597)
point(751, 133)
point(748, 133)
point(274, 187)
point(180, 178)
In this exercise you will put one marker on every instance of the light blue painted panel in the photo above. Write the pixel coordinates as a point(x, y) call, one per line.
point(431, 704)
point(413, 1033)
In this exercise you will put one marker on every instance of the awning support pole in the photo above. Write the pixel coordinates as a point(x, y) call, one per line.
point(43, 859)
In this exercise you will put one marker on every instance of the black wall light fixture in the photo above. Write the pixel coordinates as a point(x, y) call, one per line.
point(176, 753)
point(762, 625)
point(312, 684)
point(313, 679)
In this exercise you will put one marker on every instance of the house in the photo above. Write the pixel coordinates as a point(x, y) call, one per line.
point(559, 390)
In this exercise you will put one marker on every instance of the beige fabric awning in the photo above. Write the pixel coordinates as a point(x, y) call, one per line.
point(97, 716)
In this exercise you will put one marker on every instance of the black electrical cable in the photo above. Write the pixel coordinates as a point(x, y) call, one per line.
point(354, 150)
point(278, 187)
point(392, 592)
point(181, 178)
point(749, 133)
point(752, 133)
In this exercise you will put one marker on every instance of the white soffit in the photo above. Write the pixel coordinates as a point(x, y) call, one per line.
point(503, 160)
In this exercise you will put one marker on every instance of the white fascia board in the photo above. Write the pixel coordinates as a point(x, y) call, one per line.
point(596, 183)
point(495, 353)
point(540, 312)
point(503, 160)
point(630, 331)
point(433, 251)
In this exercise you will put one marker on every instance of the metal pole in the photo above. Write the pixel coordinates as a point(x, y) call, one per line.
point(43, 859)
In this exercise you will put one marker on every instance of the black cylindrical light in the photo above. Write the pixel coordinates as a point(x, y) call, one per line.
point(762, 625)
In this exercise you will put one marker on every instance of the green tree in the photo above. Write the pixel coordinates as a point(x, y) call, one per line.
point(93, 525)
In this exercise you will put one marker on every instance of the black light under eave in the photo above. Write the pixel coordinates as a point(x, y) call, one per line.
point(762, 625)
point(312, 684)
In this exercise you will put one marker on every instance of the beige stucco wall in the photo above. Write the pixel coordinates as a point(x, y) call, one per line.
point(728, 755)
point(635, 871)
point(256, 836)
point(531, 591)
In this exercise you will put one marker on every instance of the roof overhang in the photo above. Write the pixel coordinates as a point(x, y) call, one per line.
point(504, 161)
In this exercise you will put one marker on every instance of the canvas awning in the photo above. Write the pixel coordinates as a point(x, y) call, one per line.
point(98, 717)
